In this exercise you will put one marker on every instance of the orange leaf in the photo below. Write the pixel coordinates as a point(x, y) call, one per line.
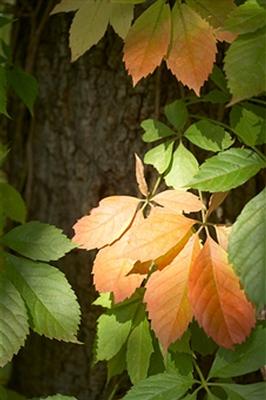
point(225, 36)
point(167, 296)
point(147, 41)
point(179, 200)
point(223, 232)
point(216, 200)
point(111, 269)
point(193, 48)
point(218, 303)
point(106, 223)
point(157, 234)
point(140, 177)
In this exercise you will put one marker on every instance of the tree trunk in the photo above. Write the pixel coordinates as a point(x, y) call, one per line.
point(77, 149)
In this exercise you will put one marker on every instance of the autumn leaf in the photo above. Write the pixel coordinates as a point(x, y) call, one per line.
point(179, 200)
point(193, 49)
point(216, 200)
point(222, 233)
point(147, 41)
point(140, 177)
point(157, 234)
point(106, 223)
point(166, 296)
point(219, 304)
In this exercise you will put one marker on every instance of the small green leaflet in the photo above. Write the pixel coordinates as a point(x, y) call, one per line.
point(104, 300)
point(139, 350)
point(50, 299)
point(227, 170)
point(160, 156)
point(200, 342)
point(13, 322)
point(217, 77)
point(184, 167)
point(24, 85)
point(3, 88)
point(255, 391)
point(248, 17)
point(12, 203)
point(216, 96)
point(67, 5)
point(162, 386)
point(177, 113)
point(247, 124)
point(248, 257)
point(245, 358)
point(111, 335)
point(252, 75)
point(208, 136)
point(117, 364)
point(38, 241)
point(121, 17)
point(155, 130)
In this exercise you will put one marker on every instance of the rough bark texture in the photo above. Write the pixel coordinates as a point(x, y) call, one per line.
point(78, 149)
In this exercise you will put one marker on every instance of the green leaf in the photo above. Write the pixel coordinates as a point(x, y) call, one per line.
point(162, 386)
point(217, 76)
point(227, 170)
point(3, 91)
point(24, 85)
point(111, 335)
point(181, 363)
point(13, 322)
point(182, 345)
point(184, 167)
point(248, 17)
point(67, 6)
point(255, 391)
point(200, 342)
point(121, 17)
point(38, 241)
point(247, 125)
point(246, 78)
point(104, 300)
point(52, 304)
point(177, 113)
point(139, 350)
point(88, 26)
point(12, 203)
point(155, 130)
point(245, 358)
point(216, 96)
point(160, 156)
point(117, 364)
point(5, 374)
point(247, 256)
point(208, 136)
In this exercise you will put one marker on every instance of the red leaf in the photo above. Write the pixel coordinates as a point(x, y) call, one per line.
point(167, 296)
point(147, 41)
point(106, 223)
point(218, 303)
point(193, 48)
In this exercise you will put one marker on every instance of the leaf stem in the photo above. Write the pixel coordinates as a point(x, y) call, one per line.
point(203, 215)
point(157, 183)
point(204, 383)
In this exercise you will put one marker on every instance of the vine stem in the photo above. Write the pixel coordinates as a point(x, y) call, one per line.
point(157, 183)
point(254, 148)
point(204, 383)
point(203, 215)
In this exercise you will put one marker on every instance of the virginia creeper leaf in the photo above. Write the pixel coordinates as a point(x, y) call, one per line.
point(246, 78)
point(208, 136)
point(140, 177)
point(13, 322)
point(103, 300)
point(193, 48)
point(24, 85)
point(106, 223)
point(160, 156)
point(166, 296)
point(155, 130)
point(249, 256)
point(227, 170)
point(51, 302)
point(218, 303)
point(67, 5)
point(223, 232)
point(121, 17)
point(177, 113)
point(12, 203)
point(88, 26)
point(147, 41)
point(247, 17)
point(247, 357)
point(247, 125)
point(215, 201)
point(255, 391)
point(217, 76)
point(166, 386)
point(139, 350)
point(200, 342)
point(184, 166)
point(117, 364)
point(179, 200)
point(38, 241)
